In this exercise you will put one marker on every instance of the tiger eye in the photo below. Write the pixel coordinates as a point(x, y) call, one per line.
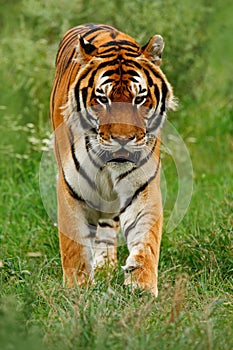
point(138, 100)
point(102, 99)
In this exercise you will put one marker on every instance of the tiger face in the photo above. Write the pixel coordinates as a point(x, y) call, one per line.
point(125, 99)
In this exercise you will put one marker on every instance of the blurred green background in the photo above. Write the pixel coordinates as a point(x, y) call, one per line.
point(35, 311)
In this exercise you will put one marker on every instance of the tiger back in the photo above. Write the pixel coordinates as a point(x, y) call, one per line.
point(108, 104)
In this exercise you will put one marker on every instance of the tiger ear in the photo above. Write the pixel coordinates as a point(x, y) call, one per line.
point(85, 50)
point(153, 49)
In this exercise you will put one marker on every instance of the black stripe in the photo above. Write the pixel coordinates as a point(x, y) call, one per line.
point(157, 95)
point(92, 37)
point(136, 54)
point(76, 162)
point(76, 94)
point(89, 148)
point(133, 64)
point(84, 96)
point(120, 43)
point(108, 50)
point(92, 229)
point(149, 79)
point(92, 77)
point(140, 164)
point(114, 53)
point(154, 126)
point(128, 43)
point(133, 79)
point(87, 121)
point(71, 190)
point(86, 124)
point(128, 51)
point(131, 72)
point(142, 90)
point(113, 34)
point(153, 70)
point(93, 30)
point(92, 121)
point(106, 241)
point(134, 224)
point(105, 224)
point(164, 88)
point(76, 196)
point(109, 72)
point(107, 63)
point(81, 170)
point(67, 62)
point(150, 119)
point(122, 176)
point(129, 201)
point(164, 95)
point(77, 87)
point(148, 156)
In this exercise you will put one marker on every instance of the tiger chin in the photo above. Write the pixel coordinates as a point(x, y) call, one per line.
point(108, 103)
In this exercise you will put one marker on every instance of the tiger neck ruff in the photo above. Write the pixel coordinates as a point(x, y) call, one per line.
point(108, 104)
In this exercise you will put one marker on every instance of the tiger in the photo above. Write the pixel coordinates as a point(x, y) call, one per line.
point(108, 103)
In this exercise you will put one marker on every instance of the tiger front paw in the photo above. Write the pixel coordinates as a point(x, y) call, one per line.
point(140, 276)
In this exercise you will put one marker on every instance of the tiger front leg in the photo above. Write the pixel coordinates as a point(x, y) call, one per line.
point(75, 239)
point(141, 269)
point(106, 243)
point(143, 233)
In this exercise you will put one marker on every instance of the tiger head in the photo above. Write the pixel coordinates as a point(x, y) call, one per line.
point(122, 94)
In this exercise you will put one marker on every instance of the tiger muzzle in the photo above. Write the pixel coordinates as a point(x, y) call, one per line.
point(122, 134)
point(122, 148)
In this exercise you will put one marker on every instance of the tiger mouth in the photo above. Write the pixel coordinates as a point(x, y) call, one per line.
point(121, 156)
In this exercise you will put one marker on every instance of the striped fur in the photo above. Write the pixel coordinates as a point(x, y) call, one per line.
point(108, 103)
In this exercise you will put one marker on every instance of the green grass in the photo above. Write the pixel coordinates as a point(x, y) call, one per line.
point(194, 309)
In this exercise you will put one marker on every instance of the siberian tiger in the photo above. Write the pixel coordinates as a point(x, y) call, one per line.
point(108, 104)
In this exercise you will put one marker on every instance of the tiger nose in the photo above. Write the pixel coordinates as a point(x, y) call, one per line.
point(123, 139)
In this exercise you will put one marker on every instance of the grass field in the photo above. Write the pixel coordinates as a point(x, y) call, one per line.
point(194, 309)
